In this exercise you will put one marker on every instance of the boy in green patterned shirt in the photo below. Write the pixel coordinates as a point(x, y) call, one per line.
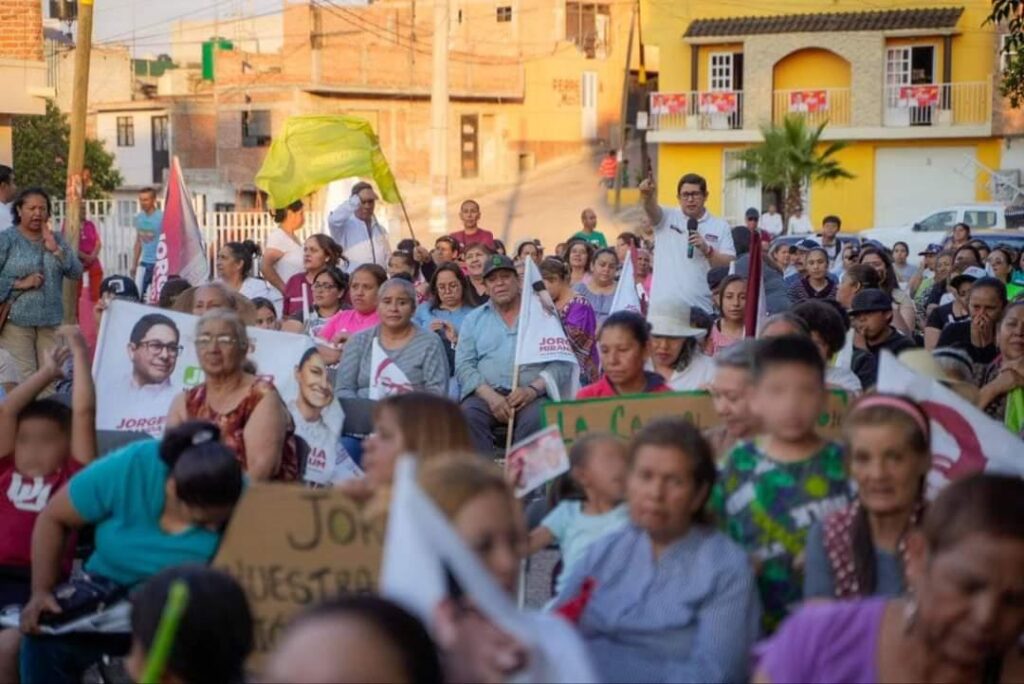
point(771, 489)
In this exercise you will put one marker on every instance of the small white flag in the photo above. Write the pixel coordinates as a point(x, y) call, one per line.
point(626, 298)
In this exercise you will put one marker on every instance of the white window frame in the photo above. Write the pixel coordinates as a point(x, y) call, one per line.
point(720, 71)
point(1004, 56)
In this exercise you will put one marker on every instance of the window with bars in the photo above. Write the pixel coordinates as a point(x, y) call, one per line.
point(504, 14)
point(720, 72)
point(588, 26)
point(256, 128)
point(126, 131)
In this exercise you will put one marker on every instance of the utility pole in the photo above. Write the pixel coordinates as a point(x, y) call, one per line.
point(624, 111)
point(439, 123)
point(76, 153)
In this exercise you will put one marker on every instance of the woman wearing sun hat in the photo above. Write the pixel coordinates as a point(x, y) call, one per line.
point(675, 348)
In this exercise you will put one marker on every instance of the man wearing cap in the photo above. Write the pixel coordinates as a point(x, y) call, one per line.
point(682, 258)
point(797, 254)
point(774, 262)
point(485, 363)
point(354, 227)
point(922, 279)
point(956, 310)
point(771, 221)
point(871, 315)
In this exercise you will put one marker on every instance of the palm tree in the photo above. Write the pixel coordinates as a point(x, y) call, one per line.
point(789, 160)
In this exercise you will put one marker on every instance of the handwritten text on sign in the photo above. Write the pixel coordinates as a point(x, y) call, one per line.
point(291, 547)
point(625, 416)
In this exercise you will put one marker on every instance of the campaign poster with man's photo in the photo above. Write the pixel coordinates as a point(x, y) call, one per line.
point(145, 357)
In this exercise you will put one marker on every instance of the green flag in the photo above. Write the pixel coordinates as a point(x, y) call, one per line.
point(314, 150)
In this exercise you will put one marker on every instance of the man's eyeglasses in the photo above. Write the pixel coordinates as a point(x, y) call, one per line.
point(219, 340)
point(691, 195)
point(155, 348)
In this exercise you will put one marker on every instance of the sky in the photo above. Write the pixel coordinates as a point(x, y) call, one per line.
point(150, 20)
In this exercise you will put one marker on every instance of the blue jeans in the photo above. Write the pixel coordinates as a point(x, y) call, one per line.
point(147, 278)
point(64, 659)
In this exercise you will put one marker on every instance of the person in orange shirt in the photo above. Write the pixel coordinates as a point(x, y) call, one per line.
point(609, 167)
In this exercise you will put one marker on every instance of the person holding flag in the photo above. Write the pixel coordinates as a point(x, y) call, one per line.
point(512, 354)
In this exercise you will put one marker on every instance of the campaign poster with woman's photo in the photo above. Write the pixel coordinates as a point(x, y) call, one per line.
point(146, 356)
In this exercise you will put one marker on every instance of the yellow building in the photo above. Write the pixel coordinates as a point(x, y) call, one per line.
point(912, 85)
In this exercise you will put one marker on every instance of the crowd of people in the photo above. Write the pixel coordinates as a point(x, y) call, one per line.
point(754, 550)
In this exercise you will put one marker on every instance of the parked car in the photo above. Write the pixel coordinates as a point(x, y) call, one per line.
point(937, 225)
point(994, 238)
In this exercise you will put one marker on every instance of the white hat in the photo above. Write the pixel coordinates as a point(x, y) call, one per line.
point(673, 322)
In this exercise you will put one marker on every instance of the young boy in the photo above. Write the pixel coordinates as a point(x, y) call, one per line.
point(772, 488)
point(42, 444)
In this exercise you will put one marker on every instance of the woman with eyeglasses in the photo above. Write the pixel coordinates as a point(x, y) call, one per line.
point(251, 416)
point(329, 288)
point(451, 299)
point(320, 251)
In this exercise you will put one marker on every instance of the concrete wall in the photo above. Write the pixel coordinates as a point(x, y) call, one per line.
point(135, 162)
point(110, 77)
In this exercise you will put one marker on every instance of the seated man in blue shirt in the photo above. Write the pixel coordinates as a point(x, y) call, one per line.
point(485, 360)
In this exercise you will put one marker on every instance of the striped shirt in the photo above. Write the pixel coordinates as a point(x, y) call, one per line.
point(422, 359)
point(691, 615)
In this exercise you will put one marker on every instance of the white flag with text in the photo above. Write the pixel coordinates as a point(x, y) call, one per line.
point(626, 297)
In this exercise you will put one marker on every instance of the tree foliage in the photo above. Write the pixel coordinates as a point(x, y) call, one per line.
point(789, 158)
point(1010, 13)
point(41, 156)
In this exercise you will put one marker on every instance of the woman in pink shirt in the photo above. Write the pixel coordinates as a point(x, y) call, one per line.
point(366, 281)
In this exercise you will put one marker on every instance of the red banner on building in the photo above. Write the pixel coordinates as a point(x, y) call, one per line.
point(668, 103)
point(919, 96)
point(808, 101)
point(718, 102)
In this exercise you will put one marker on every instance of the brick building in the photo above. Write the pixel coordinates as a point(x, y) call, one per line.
point(530, 81)
point(23, 88)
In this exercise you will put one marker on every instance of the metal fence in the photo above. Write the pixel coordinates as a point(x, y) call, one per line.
point(114, 222)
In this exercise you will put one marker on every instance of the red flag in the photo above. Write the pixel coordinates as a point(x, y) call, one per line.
point(572, 610)
point(756, 310)
point(181, 250)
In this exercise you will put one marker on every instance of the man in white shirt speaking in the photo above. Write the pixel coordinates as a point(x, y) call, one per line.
point(688, 242)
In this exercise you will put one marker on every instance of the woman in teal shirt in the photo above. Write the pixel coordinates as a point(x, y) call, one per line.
point(155, 505)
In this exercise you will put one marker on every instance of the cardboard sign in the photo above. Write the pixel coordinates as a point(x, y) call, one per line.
point(626, 416)
point(291, 547)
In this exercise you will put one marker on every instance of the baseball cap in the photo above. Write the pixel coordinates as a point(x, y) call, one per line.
point(869, 301)
point(933, 248)
point(970, 274)
point(121, 287)
point(498, 262)
point(753, 213)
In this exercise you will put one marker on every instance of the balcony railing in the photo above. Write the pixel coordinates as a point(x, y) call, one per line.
point(938, 104)
point(701, 111)
point(817, 105)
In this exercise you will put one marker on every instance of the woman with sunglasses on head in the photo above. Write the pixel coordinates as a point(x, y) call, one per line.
point(320, 251)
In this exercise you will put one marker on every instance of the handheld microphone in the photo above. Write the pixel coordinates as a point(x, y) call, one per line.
point(691, 228)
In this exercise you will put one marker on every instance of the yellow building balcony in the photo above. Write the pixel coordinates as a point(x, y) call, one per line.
point(938, 104)
point(817, 105)
point(720, 110)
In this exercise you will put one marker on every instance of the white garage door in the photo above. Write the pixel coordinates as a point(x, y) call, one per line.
point(911, 181)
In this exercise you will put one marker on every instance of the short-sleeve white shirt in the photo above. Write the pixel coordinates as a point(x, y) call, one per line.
point(671, 243)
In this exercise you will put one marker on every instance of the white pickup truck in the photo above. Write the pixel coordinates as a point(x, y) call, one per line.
point(937, 225)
